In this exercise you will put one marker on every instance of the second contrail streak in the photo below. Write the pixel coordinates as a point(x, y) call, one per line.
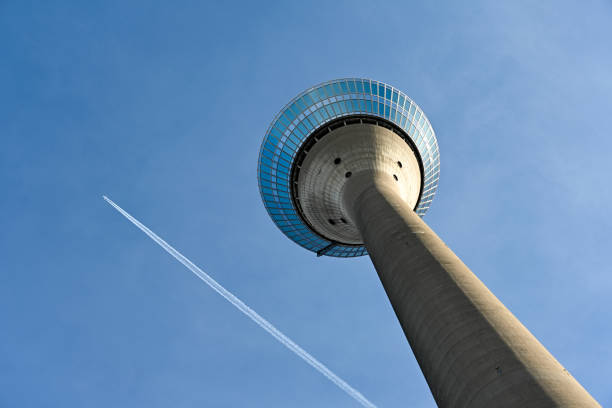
point(263, 323)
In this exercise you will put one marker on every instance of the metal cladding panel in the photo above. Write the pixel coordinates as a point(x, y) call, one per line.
point(312, 109)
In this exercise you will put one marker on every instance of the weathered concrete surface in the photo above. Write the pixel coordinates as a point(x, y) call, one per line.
point(473, 352)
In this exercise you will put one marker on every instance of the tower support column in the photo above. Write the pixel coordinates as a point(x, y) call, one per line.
point(473, 352)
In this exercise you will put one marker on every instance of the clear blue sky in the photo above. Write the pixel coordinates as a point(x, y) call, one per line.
point(162, 106)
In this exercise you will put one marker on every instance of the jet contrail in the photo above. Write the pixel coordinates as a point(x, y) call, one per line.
point(263, 323)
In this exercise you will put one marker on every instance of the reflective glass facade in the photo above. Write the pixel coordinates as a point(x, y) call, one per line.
point(312, 109)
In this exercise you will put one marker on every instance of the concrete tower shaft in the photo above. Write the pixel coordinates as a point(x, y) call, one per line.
point(473, 352)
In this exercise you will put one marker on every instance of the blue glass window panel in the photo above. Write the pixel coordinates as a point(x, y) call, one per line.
point(267, 154)
point(294, 138)
point(368, 106)
point(284, 120)
point(344, 87)
point(337, 90)
point(266, 177)
point(407, 107)
point(279, 127)
point(297, 132)
point(273, 140)
point(301, 104)
point(329, 90)
point(425, 129)
point(412, 108)
point(381, 90)
point(269, 200)
point(270, 146)
point(314, 95)
point(359, 86)
point(330, 111)
point(317, 115)
point(351, 86)
point(362, 106)
point(309, 122)
point(320, 92)
point(401, 101)
point(388, 93)
point(290, 145)
point(288, 150)
point(284, 163)
point(387, 111)
point(346, 105)
point(395, 95)
point(267, 190)
point(417, 115)
point(429, 190)
point(266, 161)
point(381, 109)
point(323, 113)
point(366, 87)
point(276, 132)
point(307, 125)
point(323, 93)
point(295, 109)
point(276, 211)
point(336, 109)
point(290, 115)
point(281, 173)
point(307, 100)
point(393, 113)
point(302, 128)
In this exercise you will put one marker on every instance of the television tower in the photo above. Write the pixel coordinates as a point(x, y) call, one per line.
point(348, 168)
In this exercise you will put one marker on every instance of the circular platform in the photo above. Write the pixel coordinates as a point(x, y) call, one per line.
point(313, 111)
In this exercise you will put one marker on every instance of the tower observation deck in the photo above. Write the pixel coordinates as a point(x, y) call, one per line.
point(348, 168)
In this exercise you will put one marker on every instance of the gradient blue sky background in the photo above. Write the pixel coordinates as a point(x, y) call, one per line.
point(162, 106)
